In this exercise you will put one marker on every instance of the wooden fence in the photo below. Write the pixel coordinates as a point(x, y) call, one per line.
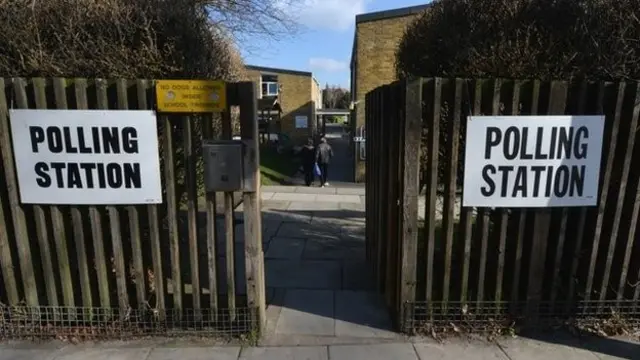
point(132, 270)
point(440, 264)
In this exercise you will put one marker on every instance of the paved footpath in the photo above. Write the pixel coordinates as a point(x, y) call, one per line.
point(322, 303)
point(414, 349)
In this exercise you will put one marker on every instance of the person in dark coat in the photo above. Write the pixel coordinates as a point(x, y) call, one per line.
point(324, 153)
point(308, 154)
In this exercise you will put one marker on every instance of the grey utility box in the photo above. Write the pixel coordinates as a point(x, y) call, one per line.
point(223, 165)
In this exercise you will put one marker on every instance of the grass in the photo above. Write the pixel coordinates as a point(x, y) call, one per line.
point(276, 169)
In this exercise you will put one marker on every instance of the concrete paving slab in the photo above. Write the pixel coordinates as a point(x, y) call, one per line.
point(101, 353)
point(458, 350)
point(195, 353)
point(285, 353)
point(316, 190)
point(354, 232)
point(266, 195)
point(336, 218)
point(286, 216)
point(333, 248)
point(357, 275)
point(307, 312)
point(306, 274)
point(279, 189)
point(339, 198)
point(285, 248)
point(351, 191)
point(294, 197)
point(274, 204)
point(303, 231)
point(613, 348)
point(362, 314)
point(373, 352)
point(302, 205)
point(7, 353)
point(358, 207)
point(528, 349)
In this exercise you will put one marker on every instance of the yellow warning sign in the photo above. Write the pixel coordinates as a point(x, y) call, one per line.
point(191, 96)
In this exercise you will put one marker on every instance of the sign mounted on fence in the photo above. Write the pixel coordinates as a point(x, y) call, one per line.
point(302, 122)
point(532, 161)
point(191, 96)
point(86, 157)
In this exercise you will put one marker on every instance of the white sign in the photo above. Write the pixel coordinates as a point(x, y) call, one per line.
point(302, 122)
point(532, 161)
point(86, 157)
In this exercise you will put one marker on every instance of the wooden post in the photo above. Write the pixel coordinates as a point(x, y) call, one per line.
point(411, 188)
point(254, 256)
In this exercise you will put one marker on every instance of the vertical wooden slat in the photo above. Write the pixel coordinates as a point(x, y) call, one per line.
point(451, 182)
point(582, 218)
point(522, 220)
point(622, 190)
point(142, 86)
point(484, 213)
point(254, 256)
point(132, 211)
point(633, 222)
point(212, 235)
point(192, 209)
point(432, 185)
point(229, 227)
point(466, 223)
point(411, 190)
point(504, 216)
point(57, 217)
point(115, 228)
point(39, 211)
point(504, 213)
point(80, 92)
point(96, 220)
point(376, 176)
point(25, 259)
point(6, 262)
point(604, 191)
point(381, 194)
point(542, 219)
point(172, 213)
point(391, 194)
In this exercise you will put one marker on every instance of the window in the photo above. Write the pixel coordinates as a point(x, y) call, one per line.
point(269, 89)
point(270, 85)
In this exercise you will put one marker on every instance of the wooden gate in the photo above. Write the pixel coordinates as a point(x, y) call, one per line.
point(440, 263)
point(190, 265)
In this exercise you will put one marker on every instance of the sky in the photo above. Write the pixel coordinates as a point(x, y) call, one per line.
point(323, 44)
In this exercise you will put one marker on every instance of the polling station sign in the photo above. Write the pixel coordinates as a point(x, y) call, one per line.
point(86, 157)
point(532, 161)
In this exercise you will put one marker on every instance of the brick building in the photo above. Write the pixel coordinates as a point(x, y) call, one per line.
point(373, 58)
point(298, 95)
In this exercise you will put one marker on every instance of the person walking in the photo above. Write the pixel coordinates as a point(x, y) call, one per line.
point(308, 154)
point(324, 153)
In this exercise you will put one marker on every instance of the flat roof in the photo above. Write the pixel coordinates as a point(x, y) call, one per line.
point(279, 71)
point(387, 14)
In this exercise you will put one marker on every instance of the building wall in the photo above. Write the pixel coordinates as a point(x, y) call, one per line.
point(374, 64)
point(295, 98)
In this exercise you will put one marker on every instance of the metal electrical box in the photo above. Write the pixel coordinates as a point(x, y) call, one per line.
point(223, 165)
